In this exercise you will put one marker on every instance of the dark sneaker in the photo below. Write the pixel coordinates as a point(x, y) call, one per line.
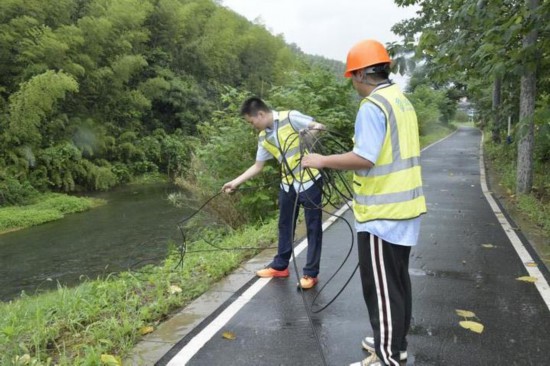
point(368, 344)
point(271, 272)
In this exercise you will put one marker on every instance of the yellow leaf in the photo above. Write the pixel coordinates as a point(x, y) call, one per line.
point(111, 360)
point(175, 289)
point(22, 360)
point(229, 335)
point(527, 279)
point(146, 330)
point(531, 264)
point(465, 313)
point(473, 326)
point(488, 246)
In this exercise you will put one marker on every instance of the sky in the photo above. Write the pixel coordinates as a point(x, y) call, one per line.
point(327, 28)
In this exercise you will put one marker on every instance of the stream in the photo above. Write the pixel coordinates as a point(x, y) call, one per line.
point(131, 230)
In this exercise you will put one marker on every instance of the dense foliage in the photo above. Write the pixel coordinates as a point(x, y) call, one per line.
point(496, 54)
point(96, 92)
point(228, 144)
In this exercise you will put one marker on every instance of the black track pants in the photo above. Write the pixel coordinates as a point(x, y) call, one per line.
point(384, 269)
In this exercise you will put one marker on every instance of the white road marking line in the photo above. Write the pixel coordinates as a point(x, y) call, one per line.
point(438, 141)
point(522, 252)
point(198, 341)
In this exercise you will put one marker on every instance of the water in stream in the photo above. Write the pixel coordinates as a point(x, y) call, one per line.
point(132, 229)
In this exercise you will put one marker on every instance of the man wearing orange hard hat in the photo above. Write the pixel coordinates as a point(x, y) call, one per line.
point(388, 198)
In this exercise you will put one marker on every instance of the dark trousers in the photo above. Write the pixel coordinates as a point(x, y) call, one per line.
point(384, 269)
point(311, 201)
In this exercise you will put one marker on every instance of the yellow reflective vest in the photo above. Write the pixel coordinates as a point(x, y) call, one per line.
point(392, 189)
point(287, 152)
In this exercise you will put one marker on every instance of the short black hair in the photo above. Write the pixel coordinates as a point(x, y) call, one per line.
point(380, 71)
point(380, 76)
point(253, 105)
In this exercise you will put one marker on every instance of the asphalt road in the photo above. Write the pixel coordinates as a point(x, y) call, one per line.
point(467, 259)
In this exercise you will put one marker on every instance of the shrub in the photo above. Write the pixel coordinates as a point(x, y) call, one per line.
point(14, 192)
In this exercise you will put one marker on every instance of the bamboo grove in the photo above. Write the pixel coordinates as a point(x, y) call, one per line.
point(96, 92)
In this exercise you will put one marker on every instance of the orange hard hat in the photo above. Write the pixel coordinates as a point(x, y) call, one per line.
point(364, 54)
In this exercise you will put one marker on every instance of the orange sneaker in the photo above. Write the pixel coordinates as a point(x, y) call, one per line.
point(271, 272)
point(307, 282)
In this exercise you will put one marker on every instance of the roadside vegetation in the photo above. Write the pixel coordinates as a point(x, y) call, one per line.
point(535, 206)
point(48, 207)
point(99, 321)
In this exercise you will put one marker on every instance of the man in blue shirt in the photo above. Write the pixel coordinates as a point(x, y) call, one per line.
point(388, 199)
point(279, 138)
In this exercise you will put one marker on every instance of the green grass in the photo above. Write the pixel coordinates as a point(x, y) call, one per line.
point(535, 205)
point(149, 178)
point(49, 207)
point(75, 326)
point(54, 206)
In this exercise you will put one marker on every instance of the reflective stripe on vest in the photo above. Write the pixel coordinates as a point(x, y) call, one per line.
point(289, 144)
point(392, 189)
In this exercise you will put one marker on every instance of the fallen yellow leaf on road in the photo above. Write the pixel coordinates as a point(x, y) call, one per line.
point(527, 279)
point(473, 326)
point(229, 335)
point(531, 264)
point(146, 330)
point(110, 360)
point(465, 313)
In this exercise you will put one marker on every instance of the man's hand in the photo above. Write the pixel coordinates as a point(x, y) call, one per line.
point(313, 161)
point(317, 126)
point(230, 187)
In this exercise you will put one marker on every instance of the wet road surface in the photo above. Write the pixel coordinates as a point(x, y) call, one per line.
point(465, 260)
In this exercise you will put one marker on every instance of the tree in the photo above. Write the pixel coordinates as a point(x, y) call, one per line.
point(466, 40)
point(524, 179)
point(34, 103)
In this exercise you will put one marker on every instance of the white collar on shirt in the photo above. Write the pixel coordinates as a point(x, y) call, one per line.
point(381, 86)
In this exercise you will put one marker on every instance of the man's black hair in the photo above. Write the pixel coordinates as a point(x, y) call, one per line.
point(380, 76)
point(380, 71)
point(253, 105)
